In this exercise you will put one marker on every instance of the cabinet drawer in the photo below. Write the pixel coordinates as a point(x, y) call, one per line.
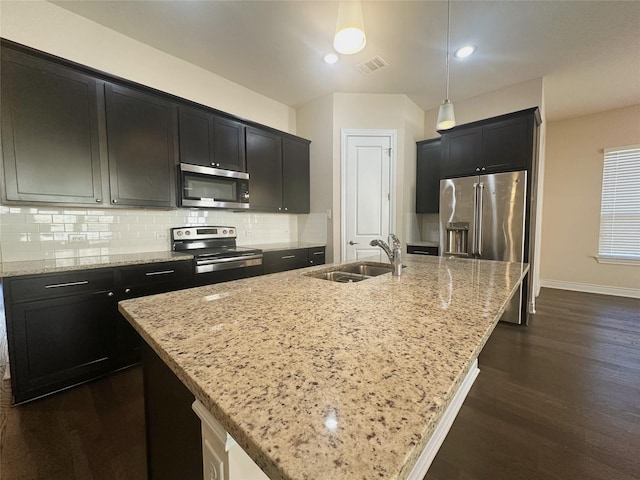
point(283, 260)
point(58, 285)
point(153, 273)
point(418, 250)
point(317, 256)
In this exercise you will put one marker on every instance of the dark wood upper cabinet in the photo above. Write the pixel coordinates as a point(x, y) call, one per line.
point(278, 168)
point(229, 144)
point(462, 152)
point(211, 140)
point(140, 135)
point(264, 165)
point(428, 162)
point(507, 145)
point(499, 144)
point(50, 139)
point(196, 142)
point(295, 175)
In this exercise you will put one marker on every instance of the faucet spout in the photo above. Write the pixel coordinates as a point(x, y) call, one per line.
point(395, 254)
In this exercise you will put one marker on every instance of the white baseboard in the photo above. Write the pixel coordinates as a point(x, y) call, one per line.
point(589, 288)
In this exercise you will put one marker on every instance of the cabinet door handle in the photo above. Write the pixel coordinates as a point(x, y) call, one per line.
point(127, 290)
point(477, 169)
point(110, 294)
point(163, 272)
point(115, 200)
point(70, 284)
point(351, 242)
point(288, 256)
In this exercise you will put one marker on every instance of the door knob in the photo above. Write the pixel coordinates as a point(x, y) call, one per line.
point(351, 242)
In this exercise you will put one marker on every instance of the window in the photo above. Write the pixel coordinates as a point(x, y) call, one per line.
point(620, 207)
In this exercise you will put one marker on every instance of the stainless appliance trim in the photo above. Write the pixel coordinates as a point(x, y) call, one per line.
point(229, 264)
point(250, 256)
point(214, 172)
point(205, 202)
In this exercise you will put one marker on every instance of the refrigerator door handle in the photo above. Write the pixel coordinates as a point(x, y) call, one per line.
point(479, 214)
point(474, 237)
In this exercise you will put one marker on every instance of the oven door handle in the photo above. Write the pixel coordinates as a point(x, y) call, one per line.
point(228, 260)
point(228, 264)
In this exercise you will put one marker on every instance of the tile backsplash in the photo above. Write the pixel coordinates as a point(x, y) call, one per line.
point(28, 233)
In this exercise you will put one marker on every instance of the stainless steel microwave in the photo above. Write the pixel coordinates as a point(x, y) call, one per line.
point(213, 187)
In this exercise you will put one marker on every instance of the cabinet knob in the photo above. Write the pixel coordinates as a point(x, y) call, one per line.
point(279, 209)
point(115, 200)
point(286, 209)
point(110, 294)
point(477, 169)
point(98, 200)
point(127, 290)
point(483, 169)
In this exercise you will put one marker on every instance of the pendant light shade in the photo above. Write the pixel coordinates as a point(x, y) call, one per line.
point(350, 37)
point(446, 117)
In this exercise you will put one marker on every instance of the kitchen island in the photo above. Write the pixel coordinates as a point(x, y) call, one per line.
point(323, 380)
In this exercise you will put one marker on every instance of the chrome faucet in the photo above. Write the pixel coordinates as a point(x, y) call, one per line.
point(394, 253)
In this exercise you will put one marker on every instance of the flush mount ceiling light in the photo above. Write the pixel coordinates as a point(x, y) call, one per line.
point(350, 37)
point(464, 52)
point(446, 117)
point(330, 58)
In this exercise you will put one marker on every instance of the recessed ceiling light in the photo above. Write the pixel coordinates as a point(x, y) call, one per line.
point(464, 52)
point(331, 58)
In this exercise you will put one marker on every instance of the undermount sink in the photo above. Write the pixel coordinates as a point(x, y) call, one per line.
point(355, 272)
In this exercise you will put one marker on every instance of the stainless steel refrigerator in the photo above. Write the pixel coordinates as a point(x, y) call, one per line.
point(484, 217)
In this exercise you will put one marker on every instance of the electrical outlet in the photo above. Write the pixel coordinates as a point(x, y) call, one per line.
point(329, 214)
point(161, 235)
point(248, 233)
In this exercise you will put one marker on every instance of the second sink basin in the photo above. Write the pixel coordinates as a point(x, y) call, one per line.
point(354, 272)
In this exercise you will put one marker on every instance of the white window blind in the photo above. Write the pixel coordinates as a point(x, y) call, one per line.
point(620, 207)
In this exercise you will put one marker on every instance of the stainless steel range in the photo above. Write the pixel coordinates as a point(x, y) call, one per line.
point(217, 257)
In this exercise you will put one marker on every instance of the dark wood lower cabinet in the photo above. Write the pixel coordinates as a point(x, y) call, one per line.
point(64, 328)
point(174, 446)
point(57, 343)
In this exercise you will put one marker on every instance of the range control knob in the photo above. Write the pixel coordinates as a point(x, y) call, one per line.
point(224, 232)
point(188, 232)
point(179, 233)
point(231, 231)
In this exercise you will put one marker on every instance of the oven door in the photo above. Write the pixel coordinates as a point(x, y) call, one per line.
point(213, 187)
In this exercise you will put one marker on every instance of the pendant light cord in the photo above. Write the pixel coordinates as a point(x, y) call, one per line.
point(448, 35)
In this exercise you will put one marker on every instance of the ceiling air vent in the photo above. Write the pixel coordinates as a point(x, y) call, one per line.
point(376, 63)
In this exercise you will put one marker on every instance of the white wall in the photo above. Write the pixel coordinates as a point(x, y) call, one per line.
point(59, 232)
point(315, 122)
point(572, 195)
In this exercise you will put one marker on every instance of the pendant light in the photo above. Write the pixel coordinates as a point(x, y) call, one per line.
point(446, 117)
point(350, 37)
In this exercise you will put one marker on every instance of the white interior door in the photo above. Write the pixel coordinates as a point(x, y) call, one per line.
point(367, 194)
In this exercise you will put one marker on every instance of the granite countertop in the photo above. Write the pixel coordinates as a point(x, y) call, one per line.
point(321, 380)
point(35, 267)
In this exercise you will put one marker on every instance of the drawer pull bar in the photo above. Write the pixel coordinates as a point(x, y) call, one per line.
point(70, 284)
point(318, 253)
point(422, 251)
point(288, 256)
point(163, 272)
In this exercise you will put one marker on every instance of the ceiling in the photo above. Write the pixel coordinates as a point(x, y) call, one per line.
point(587, 51)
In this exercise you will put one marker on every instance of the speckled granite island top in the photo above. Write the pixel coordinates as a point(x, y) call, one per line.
point(322, 380)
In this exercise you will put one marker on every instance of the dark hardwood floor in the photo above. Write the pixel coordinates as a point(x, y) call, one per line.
point(559, 399)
